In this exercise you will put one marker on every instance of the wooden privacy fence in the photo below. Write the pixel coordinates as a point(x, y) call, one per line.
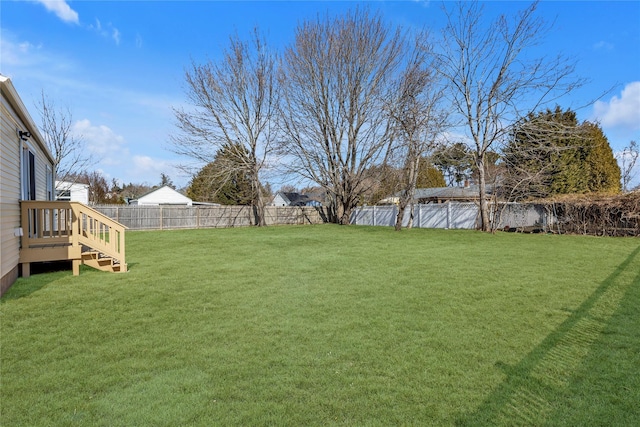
point(182, 217)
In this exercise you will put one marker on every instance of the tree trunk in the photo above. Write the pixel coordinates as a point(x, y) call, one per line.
point(407, 194)
point(411, 208)
point(344, 212)
point(482, 184)
point(258, 201)
point(402, 205)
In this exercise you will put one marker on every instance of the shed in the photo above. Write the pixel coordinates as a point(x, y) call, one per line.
point(162, 196)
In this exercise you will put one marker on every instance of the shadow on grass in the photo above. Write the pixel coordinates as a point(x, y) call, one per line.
point(42, 274)
point(573, 376)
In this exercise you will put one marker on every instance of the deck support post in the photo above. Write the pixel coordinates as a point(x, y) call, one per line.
point(76, 266)
point(26, 269)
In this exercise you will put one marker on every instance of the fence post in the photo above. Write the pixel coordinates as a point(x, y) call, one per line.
point(448, 214)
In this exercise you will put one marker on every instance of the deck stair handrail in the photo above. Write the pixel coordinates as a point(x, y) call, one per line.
point(99, 232)
point(54, 231)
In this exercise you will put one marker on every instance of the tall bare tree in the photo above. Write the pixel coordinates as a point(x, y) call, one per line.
point(69, 150)
point(628, 158)
point(417, 118)
point(494, 79)
point(338, 75)
point(234, 106)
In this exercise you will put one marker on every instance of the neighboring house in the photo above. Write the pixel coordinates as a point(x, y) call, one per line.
point(293, 199)
point(26, 173)
point(72, 192)
point(162, 196)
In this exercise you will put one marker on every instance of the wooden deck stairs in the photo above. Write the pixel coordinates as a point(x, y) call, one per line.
point(58, 231)
point(99, 261)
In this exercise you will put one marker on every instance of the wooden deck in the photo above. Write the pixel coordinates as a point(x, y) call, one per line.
point(58, 231)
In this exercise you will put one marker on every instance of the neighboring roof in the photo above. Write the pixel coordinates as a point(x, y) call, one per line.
point(164, 195)
point(442, 193)
point(16, 103)
point(68, 185)
point(447, 193)
point(295, 199)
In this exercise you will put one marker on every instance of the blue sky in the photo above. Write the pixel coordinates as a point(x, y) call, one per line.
point(119, 65)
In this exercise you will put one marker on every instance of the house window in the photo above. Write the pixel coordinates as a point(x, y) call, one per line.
point(28, 172)
point(50, 190)
point(64, 195)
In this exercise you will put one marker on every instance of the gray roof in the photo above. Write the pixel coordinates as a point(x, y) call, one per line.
point(470, 192)
point(295, 199)
point(448, 193)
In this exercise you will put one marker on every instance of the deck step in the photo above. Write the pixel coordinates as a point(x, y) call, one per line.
point(102, 262)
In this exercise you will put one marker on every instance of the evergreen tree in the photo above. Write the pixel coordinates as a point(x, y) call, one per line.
point(455, 162)
point(429, 176)
point(220, 182)
point(604, 172)
point(551, 153)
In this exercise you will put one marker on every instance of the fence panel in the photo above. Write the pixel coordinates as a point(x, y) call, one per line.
point(464, 216)
point(432, 216)
point(182, 217)
point(515, 215)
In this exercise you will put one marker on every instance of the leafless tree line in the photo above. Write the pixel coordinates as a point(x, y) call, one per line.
point(352, 92)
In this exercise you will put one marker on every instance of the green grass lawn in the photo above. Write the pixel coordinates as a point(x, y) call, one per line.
point(329, 325)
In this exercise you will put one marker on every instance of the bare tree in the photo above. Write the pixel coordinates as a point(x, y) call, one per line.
point(235, 104)
point(493, 79)
point(416, 120)
point(338, 74)
point(628, 157)
point(69, 150)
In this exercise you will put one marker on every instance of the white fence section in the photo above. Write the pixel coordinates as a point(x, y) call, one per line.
point(453, 215)
point(444, 215)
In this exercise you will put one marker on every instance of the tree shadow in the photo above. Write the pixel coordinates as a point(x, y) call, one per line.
point(546, 384)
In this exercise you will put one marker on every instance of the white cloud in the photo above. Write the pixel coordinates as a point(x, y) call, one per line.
point(115, 34)
point(17, 53)
point(62, 10)
point(621, 112)
point(108, 32)
point(603, 45)
point(25, 59)
point(100, 140)
point(146, 168)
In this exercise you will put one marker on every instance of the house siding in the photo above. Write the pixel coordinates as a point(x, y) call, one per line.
point(13, 117)
point(279, 201)
point(9, 196)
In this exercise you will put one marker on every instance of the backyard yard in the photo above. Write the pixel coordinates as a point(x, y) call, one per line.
point(330, 325)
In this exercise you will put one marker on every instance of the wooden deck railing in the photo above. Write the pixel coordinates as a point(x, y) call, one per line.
point(55, 231)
